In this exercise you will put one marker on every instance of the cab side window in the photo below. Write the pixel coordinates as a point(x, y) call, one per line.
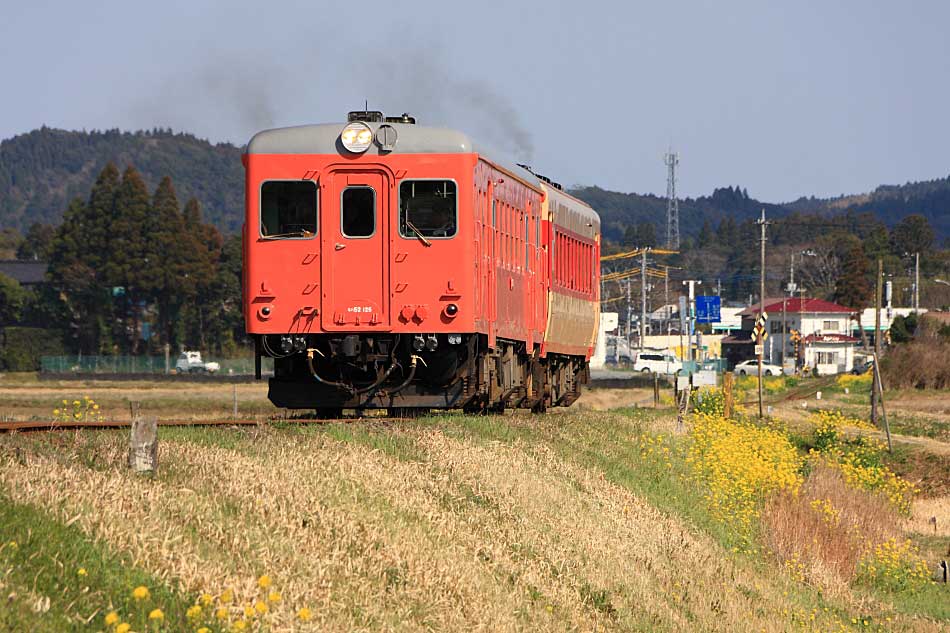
point(428, 208)
point(288, 209)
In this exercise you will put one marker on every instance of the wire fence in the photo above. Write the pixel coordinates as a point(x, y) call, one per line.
point(135, 365)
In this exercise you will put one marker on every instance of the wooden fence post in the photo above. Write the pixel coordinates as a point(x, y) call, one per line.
point(143, 441)
point(728, 390)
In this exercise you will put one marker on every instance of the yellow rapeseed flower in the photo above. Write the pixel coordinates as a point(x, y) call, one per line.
point(273, 596)
point(95, 407)
point(81, 572)
point(248, 611)
point(193, 612)
point(239, 625)
point(264, 582)
point(55, 411)
point(304, 614)
point(111, 618)
point(75, 403)
point(740, 464)
point(140, 592)
point(206, 599)
point(261, 607)
point(221, 613)
point(123, 628)
point(157, 615)
point(203, 629)
point(227, 596)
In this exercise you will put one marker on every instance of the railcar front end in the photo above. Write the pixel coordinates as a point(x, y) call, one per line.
point(390, 265)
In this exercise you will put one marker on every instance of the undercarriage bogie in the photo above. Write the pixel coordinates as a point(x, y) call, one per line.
point(406, 373)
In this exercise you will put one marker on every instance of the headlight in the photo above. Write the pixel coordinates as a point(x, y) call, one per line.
point(356, 137)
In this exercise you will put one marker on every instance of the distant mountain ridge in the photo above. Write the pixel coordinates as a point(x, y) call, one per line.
point(890, 203)
point(620, 210)
point(42, 170)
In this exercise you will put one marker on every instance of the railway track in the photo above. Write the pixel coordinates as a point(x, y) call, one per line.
point(41, 425)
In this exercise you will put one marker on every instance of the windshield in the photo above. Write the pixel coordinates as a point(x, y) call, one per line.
point(427, 208)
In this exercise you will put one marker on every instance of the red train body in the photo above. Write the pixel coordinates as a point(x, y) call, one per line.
point(419, 272)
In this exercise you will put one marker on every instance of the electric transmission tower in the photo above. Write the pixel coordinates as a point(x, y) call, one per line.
point(671, 160)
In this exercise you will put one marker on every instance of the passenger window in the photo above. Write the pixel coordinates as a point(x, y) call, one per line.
point(288, 209)
point(428, 208)
point(527, 240)
point(358, 212)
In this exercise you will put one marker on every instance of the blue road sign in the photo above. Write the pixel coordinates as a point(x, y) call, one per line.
point(707, 309)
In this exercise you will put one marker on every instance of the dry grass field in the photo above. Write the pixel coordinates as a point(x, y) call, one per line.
point(562, 522)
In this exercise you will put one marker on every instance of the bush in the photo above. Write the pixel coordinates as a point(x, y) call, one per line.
point(917, 365)
point(895, 565)
point(740, 465)
point(710, 401)
point(904, 328)
point(860, 459)
point(21, 348)
point(851, 382)
point(775, 384)
point(823, 533)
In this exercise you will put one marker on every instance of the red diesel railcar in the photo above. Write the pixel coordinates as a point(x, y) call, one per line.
point(393, 265)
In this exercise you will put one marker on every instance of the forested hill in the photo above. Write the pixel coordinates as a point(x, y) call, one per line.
point(625, 216)
point(44, 169)
point(929, 198)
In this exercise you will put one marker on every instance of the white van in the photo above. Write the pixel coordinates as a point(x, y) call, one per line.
point(659, 362)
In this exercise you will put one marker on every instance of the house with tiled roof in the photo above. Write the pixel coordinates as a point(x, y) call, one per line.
point(822, 329)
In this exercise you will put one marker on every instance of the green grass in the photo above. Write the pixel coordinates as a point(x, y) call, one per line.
point(49, 553)
point(40, 559)
point(920, 426)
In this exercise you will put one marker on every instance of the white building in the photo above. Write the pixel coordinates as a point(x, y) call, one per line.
point(823, 329)
point(887, 317)
point(829, 353)
point(730, 320)
point(608, 323)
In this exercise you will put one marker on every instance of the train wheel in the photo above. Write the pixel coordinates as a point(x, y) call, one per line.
point(475, 407)
point(329, 413)
point(496, 408)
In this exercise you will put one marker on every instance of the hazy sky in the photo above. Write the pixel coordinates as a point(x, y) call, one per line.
point(783, 98)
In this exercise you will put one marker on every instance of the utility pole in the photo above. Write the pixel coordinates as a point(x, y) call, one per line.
point(629, 318)
point(759, 339)
point(643, 296)
point(877, 339)
point(671, 160)
point(666, 295)
point(916, 282)
point(692, 319)
point(784, 330)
